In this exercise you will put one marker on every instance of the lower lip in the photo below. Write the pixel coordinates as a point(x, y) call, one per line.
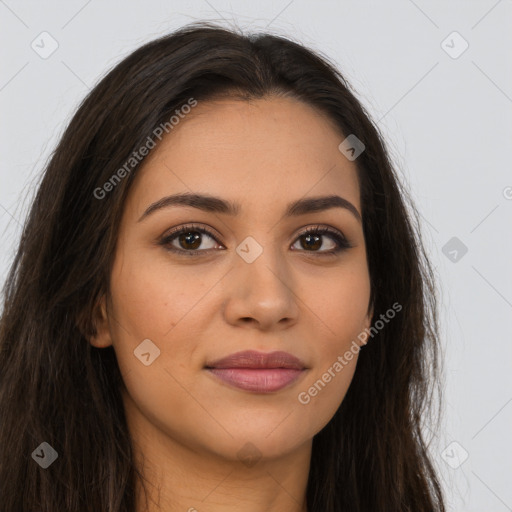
point(260, 380)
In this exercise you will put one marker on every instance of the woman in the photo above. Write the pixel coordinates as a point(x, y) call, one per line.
point(219, 300)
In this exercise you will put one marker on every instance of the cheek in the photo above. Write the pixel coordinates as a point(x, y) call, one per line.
point(341, 311)
point(340, 305)
point(156, 320)
point(155, 303)
point(152, 297)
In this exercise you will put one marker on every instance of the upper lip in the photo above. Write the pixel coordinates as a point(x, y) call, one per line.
point(254, 359)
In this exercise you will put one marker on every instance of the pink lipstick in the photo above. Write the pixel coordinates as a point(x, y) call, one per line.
point(258, 371)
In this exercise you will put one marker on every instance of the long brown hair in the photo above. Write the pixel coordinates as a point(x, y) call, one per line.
point(55, 387)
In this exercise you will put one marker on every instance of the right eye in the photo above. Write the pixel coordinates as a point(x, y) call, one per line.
point(189, 237)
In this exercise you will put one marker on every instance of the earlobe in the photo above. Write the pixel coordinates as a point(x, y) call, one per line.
point(102, 338)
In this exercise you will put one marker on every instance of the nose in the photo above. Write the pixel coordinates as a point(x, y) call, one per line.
point(261, 293)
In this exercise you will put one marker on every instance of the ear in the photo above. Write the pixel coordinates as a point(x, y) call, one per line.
point(100, 319)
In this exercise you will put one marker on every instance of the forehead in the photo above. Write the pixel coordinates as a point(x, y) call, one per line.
point(267, 150)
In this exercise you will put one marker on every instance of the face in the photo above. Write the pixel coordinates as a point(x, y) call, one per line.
point(255, 280)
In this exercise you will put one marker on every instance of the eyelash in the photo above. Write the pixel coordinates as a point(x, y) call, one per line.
point(341, 242)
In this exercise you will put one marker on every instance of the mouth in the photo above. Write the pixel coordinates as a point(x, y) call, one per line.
point(258, 371)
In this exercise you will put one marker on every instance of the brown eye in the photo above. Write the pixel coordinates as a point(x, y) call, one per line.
point(187, 240)
point(312, 240)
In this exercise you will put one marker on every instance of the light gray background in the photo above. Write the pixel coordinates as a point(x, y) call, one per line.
point(447, 122)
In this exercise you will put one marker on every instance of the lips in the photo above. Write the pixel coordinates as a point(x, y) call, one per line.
point(258, 371)
point(253, 359)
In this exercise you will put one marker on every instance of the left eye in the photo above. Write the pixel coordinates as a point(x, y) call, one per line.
point(313, 240)
point(190, 239)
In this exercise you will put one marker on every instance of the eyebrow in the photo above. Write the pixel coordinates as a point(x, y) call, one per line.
point(214, 204)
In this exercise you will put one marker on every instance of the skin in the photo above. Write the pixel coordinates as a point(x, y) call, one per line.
point(186, 424)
